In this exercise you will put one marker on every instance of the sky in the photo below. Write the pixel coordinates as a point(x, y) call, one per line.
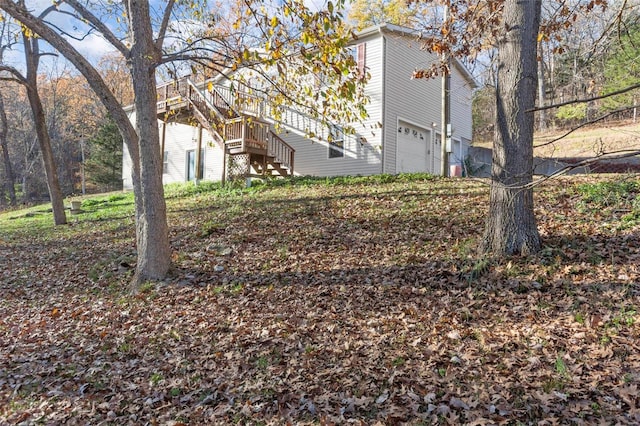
point(93, 46)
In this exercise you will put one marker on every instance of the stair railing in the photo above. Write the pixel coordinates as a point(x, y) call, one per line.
point(257, 106)
point(280, 150)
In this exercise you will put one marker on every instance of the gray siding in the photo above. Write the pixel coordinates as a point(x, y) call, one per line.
point(363, 151)
point(420, 101)
point(461, 97)
point(407, 99)
point(312, 157)
point(181, 138)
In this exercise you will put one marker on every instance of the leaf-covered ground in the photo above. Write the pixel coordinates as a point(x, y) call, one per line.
point(362, 303)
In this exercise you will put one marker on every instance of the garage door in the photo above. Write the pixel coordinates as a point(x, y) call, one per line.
point(413, 152)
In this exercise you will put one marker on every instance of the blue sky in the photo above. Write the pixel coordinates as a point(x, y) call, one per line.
point(93, 46)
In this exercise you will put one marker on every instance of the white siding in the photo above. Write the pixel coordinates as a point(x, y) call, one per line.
point(461, 96)
point(127, 182)
point(180, 138)
point(126, 168)
point(461, 121)
point(312, 157)
point(407, 99)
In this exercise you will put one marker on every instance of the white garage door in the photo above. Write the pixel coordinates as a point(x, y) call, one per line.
point(413, 152)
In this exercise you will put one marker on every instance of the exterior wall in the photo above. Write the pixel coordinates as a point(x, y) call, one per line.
point(461, 119)
point(362, 151)
point(407, 100)
point(419, 102)
point(180, 138)
point(312, 157)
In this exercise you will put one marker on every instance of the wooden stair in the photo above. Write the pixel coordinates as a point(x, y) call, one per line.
point(238, 133)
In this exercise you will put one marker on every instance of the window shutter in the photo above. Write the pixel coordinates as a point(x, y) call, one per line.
point(361, 58)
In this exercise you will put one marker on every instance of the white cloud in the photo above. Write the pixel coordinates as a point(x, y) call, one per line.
point(93, 47)
point(315, 4)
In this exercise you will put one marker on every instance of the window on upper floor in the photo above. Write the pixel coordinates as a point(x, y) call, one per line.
point(359, 53)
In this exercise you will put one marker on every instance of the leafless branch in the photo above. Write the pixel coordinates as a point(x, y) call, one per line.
point(98, 25)
point(585, 100)
point(586, 123)
point(164, 25)
point(16, 75)
point(613, 155)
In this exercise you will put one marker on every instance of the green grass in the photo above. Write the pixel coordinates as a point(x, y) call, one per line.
point(37, 220)
point(619, 198)
point(607, 194)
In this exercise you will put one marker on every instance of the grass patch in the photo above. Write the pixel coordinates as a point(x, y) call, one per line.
point(619, 193)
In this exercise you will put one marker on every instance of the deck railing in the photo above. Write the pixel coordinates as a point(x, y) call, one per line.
point(218, 107)
point(255, 105)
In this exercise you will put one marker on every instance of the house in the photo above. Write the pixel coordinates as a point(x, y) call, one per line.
point(234, 134)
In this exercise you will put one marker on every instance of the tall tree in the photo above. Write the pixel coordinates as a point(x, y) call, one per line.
point(364, 13)
point(32, 59)
point(6, 161)
point(30, 81)
point(320, 45)
point(511, 224)
point(6, 41)
point(512, 29)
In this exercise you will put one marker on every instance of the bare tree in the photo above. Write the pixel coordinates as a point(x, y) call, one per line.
point(9, 179)
point(6, 41)
point(30, 82)
point(144, 49)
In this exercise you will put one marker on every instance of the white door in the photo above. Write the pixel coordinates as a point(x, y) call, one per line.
point(413, 149)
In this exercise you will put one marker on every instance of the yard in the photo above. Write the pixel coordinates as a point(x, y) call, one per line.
point(338, 301)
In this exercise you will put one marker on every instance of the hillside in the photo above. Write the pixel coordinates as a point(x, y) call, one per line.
point(585, 142)
point(344, 301)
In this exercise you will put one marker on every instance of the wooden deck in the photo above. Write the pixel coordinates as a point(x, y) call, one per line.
point(236, 131)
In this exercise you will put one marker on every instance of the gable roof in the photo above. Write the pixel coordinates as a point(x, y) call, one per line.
point(416, 35)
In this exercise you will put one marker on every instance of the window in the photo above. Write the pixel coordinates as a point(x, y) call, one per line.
point(165, 162)
point(359, 52)
point(336, 142)
point(336, 149)
point(191, 165)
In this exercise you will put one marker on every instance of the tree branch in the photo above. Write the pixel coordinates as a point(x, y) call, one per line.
point(586, 123)
point(614, 155)
point(164, 25)
point(17, 75)
point(98, 25)
point(585, 100)
point(93, 77)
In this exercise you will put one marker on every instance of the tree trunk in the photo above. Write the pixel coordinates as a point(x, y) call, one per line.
point(511, 225)
point(9, 178)
point(154, 250)
point(32, 57)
